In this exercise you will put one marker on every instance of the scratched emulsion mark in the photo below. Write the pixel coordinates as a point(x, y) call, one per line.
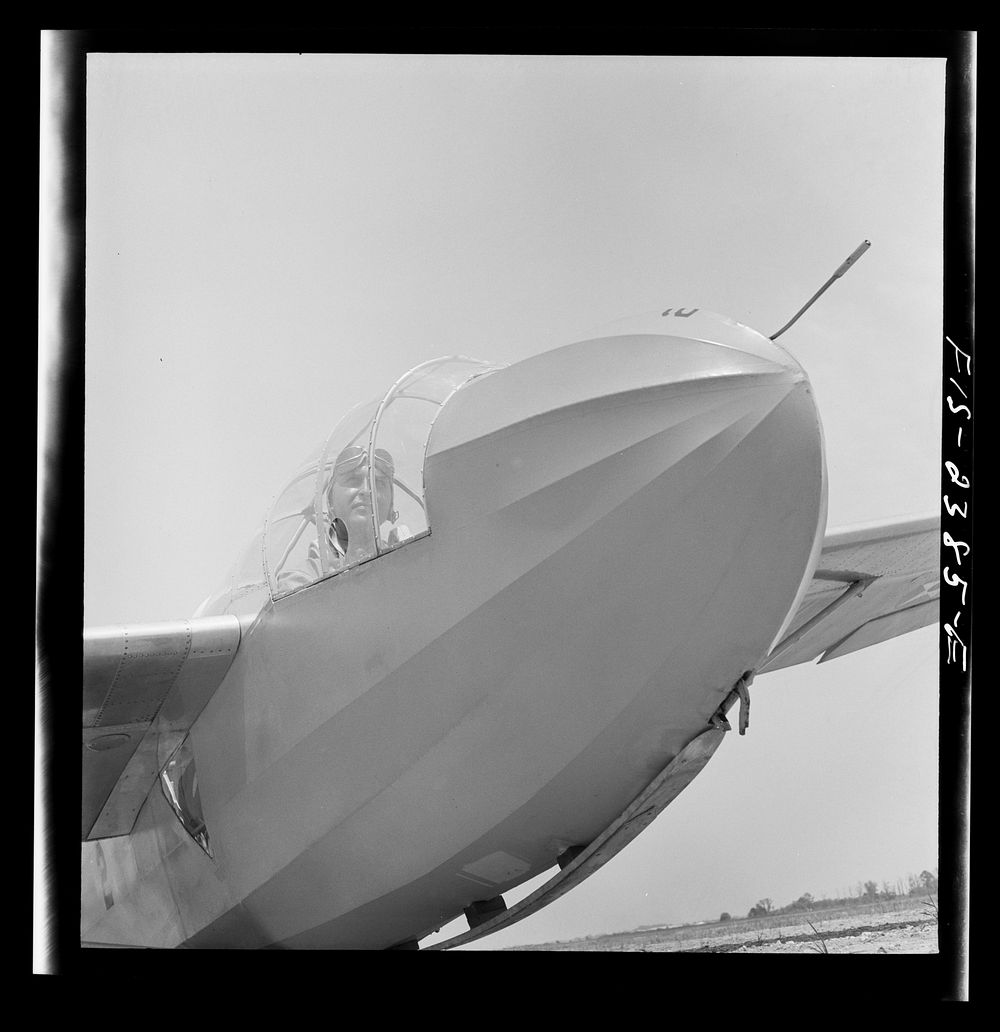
point(957, 508)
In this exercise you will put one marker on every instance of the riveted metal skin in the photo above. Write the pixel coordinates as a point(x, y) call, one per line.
point(142, 690)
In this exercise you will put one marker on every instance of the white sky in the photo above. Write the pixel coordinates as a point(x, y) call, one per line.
point(273, 238)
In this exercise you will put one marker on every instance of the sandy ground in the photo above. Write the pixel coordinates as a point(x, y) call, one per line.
point(901, 927)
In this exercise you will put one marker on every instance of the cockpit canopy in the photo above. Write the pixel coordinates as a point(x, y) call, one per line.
point(359, 494)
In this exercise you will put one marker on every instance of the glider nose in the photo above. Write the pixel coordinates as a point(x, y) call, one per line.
point(669, 357)
point(701, 324)
point(570, 430)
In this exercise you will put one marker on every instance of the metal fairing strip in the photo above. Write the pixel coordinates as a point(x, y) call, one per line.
point(663, 789)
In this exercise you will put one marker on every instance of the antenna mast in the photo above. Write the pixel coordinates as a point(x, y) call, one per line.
point(844, 266)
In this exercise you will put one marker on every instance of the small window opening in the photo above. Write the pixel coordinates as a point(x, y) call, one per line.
point(179, 780)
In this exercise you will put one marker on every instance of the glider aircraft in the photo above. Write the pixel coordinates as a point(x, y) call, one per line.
point(491, 627)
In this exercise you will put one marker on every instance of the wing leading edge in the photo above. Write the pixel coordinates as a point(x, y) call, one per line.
point(143, 687)
point(871, 583)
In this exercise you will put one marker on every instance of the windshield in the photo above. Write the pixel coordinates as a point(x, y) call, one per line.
point(295, 552)
point(361, 492)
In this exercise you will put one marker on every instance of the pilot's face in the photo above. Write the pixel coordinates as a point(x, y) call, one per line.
point(350, 495)
point(350, 498)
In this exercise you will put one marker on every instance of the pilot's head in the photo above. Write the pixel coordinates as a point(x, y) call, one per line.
point(350, 495)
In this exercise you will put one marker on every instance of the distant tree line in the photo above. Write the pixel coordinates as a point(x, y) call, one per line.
point(923, 884)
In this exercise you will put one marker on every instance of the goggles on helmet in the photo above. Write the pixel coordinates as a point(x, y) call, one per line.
point(355, 457)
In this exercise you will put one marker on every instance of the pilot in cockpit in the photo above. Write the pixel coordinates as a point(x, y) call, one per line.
point(349, 528)
point(350, 503)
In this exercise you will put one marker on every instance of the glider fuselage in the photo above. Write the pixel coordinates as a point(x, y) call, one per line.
point(618, 529)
